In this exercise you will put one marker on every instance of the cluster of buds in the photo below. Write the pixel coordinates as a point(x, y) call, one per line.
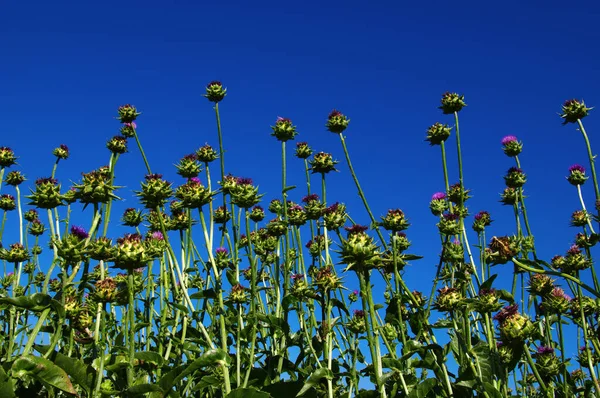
point(317, 245)
point(586, 355)
point(394, 221)
point(303, 151)
point(238, 294)
point(453, 252)
point(284, 130)
point(482, 220)
point(72, 247)
point(132, 217)
point(7, 157)
point(325, 279)
point(276, 207)
point(296, 215)
point(155, 191)
point(359, 251)
point(244, 194)
point(155, 244)
point(130, 252)
point(546, 362)
point(438, 203)
point(452, 102)
point(572, 262)
point(577, 175)
point(438, 133)
point(61, 152)
point(487, 301)
point(128, 130)
point(257, 214)
point(513, 326)
point(501, 250)
point(335, 216)
point(7, 202)
point(264, 242)
point(511, 146)
point(96, 187)
point(357, 323)
point(322, 163)
point(540, 285)
point(127, 114)
point(14, 178)
point(188, 166)
point(221, 215)
point(300, 288)
point(449, 224)
point(277, 227)
point(100, 249)
point(515, 178)
point(448, 299)
point(106, 291)
point(206, 154)
point(337, 122)
point(193, 195)
point(580, 218)
point(117, 144)
point(574, 110)
point(15, 254)
point(222, 258)
point(46, 194)
point(215, 92)
point(457, 194)
point(313, 207)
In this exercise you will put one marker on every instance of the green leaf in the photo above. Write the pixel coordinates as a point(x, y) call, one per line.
point(285, 389)
point(491, 390)
point(149, 356)
point(505, 295)
point(208, 293)
point(210, 358)
point(484, 359)
point(79, 372)
point(247, 393)
point(36, 302)
point(488, 283)
point(144, 388)
point(288, 188)
point(315, 379)
point(337, 303)
point(423, 388)
point(7, 388)
point(180, 307)
point(44, 371)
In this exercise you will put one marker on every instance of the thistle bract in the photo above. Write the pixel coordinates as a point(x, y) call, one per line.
point(46, 194)
point(283, 129)
point(438, 133)
point(452, 102)
point(337, 122)
point(574, 110)
point(155, 191)
point(215, 92)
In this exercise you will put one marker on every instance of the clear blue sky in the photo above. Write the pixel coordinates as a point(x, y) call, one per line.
point(67, 66)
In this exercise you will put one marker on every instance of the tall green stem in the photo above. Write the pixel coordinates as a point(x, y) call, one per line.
point(591, 157)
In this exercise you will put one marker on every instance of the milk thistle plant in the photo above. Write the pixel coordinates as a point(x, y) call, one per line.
point(212, 289)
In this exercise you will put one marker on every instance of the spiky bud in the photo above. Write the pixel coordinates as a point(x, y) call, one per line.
point(574, 110)
point(303, 151)
point(337, 122)
point(452, 102)
point(14, 178)
point(322, 163)
point(215, 92)
point(46, 194)
point(127, 113)
point(284, 130)
point(206, 154)
point(7, 157)
point(155, 191)
point(61, 152)
point(511, 146)
point(438, 133)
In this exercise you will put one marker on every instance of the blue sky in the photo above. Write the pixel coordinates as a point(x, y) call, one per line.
point(67, 66)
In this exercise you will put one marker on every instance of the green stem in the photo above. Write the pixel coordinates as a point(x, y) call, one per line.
point(139, 144)
point(591, 157)
point(458, 151)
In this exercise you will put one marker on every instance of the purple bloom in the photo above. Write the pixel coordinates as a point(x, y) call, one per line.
point(214, 83)
point(151, 177)
point(257, 208)
point(577, 167)
point(334, 113)
point(515, 170)
point(356, 292)
point(508, 139)
point(356, 229)
point(195, 180)
point(481, 214)
point(131, 124)
point(507, 312)
point(157, 235)
point(282, 120)
point(222, 251)
point(438, 196)
point(574, 250)
point(79, 232)
point(46, 180)
point(450, 217)
point(456, 242)
point(244, 181)
point(543, 350)
point(310, 198)
point(559, 293)
point(296, 276)
point(359, 313)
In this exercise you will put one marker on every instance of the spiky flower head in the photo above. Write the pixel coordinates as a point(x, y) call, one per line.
point(359, 251)
point(127, 113)
point(574, 110)
point(515, 178)
point(117, 144)
point(322, 163)
point(458, 194)
point(106, 291)
point(128, 129)
point(31, 215)
point(257, 214)
point(547, 363)
point(580, 218)
point(335, 216)
point(206, 154)
point(275, 206)
point(239, 294)
point(317, 245)
point(193, 195)
point(215, 92)
point(14, 178)
point(221, 215)
point(303, 151)
point(449, 224)
point(71, 248)
point(487, 301)
point(244, 194)
point(277, 227)
point(16, 253)
point(509, 196)
point(100, 249)
point(326, 280)
point(357, 324)
point(448, 299)
point(438, 133)
point(132, 217)
point(438, 203)
point(155, 191)
point(313, 207)
point(540, 285)
point(577, 175)
point(587, 304)
point(452, 102)
point(7, 157)
point(46, 194)
point(482, 220)
point(394, 221)
point(284, 130)
point(130, 252)
point(453, 252)
point(188, 166)
point(514, 327)
point(575, 261)
point(296, 215)
point(95, 187)
point(7, 202)
point(337, 122)
point(61, 152)
point(556, 302)
point(511, 146)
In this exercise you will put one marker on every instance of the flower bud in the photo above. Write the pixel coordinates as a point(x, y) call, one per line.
point(326, 279)
point(573, 110)
point(62, 152)
point(317, 245)
point(359, 251)
point(31, 215)
point(515, 178)
point(313, 207)
point(453, 252)
point(100, 249)
point(296, 215)
point(132, 217)
point(15, 254)
point(556, 302)
point(276, 227)
point(577, 175)
point(457, 194)
point(449, 224)
point(206, 154)
point(337, 122)
point(128, 129)
point(117, 144)
point(238, 294)
point(127, 113)
point(14, 178)
point(244, 194)
point(394, 221)
point(155, 191)
point(221, 215)
point(488, 301)
point(303, 151)
point(188, 166)
point(357, 324)
point(7, 202)
point(193, 195)
point(322, 163)
point(511, 146)
point(46, 194)
point(501, 250)
point(482, 220)
point(438, 203)
point(452, 102)
point(257, 214)
point(130, 252)
point(36, 228)
point(448, 299)
point(546, 362)
point(96, 187)
point(509, 196)
point(215, 92)
point(540, 285)
point(284, 130)
point(335, 216)
point(580, 218)
point(438, 133)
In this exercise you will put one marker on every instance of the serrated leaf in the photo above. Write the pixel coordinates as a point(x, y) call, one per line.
point(44, 371)
point(315, 379)
point(79, 372)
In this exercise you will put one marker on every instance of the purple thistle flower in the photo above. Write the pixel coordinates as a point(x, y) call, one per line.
point(359, 313)
point(438, 196)
point(577, 167)
point(151, 177)
point(244, 181)
point(356, 229)
point(456, 242)
point(310, 198)
point(214, 83)
point(257, 208)
point(157, 235)
point(332, 208)
point(574, 250)
point(64, 147)
point(507, 312)
point(559, 293)
point(79, 232)
point(481, 214)
point(515, 170)
point(543, 350)
point(296, 276)
point(191, 156)
point(334, 113)
point(508, 139)
point(195, 180)
point(450, 217)
point(131, 124)
point(221, 251)
point(45, 180)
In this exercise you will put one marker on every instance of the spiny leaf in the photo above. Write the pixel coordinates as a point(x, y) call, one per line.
point(44, 371)
point(315, 379)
